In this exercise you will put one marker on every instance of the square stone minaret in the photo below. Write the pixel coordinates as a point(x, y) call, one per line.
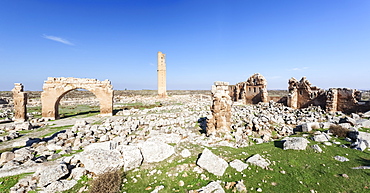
point(161, 75)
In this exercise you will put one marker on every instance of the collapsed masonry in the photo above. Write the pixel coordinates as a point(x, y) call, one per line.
point(55, 88)
point(302, 95)
point(20, 102)
point(252, 91)
point(220, 122)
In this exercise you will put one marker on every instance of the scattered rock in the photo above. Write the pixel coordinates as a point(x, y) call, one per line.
point(238, 165)
point(131, 156)
point(52, 174)
point(321, 138)
point(96, 160)
point(156, 151)
point(341, 158)
point(212, 163)
point(295, 143)
point(185, 153)
point(213, 187)
point(258, 161)
point(317, 148)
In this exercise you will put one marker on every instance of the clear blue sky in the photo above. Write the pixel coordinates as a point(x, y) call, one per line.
point(328, 41)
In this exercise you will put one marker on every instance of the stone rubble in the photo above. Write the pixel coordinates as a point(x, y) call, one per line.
point(152, 135)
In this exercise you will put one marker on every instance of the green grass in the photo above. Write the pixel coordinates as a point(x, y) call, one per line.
point(70, 110)
point(364, 129)
point(7, 182)
point(84, 181)
point(305, 170)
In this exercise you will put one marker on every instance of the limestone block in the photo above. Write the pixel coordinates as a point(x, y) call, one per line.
point(6, 156)
point(212, 163)
point(52, 174)
point(238, 165)
point(258, 161)
point(96, 160)
point(156, 151)
point(295, 143)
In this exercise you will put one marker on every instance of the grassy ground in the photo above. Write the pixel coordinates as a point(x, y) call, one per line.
point(304, 171)
point(7, 182)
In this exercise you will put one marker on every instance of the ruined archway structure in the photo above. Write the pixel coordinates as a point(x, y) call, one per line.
point(252, 91)
point(55, 88)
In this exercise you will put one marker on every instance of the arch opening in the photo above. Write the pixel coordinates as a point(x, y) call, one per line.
point(55, 89)
point(77, 102)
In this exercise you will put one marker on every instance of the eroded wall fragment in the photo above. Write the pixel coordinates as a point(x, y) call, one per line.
point(302, 94)
point(20, 103)
point(252, 91)
point(220, 122)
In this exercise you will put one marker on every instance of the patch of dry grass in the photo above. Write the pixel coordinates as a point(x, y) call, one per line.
point(338, 130)
point(109, 182)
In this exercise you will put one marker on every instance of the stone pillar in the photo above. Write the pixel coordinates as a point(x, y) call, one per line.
point(20, 102)
point(220, 122)
point(161, 75)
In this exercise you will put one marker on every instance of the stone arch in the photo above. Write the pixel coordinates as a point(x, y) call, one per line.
point(55, 88)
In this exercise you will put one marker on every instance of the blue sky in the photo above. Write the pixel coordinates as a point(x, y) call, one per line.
point(328, 41)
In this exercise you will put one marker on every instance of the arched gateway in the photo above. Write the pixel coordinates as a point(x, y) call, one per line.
point(55, 88)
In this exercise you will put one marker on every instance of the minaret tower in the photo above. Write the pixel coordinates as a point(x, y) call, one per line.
point(161, 75)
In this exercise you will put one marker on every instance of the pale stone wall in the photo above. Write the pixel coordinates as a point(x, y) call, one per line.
point(55, 88)
point(332, 100)
point(343, 99)
point(220, 122)
point(252, 91)
point(302, 94)
point(161, 75)
point(20, 103)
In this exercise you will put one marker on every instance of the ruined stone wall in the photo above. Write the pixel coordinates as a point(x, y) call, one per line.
point(346, 100)
point(252, 91)
point(20, 103)
point(55, 88)
point(302, 94)
point(220, 122)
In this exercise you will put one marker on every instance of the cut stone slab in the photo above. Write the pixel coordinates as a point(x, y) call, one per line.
point(361, 168)
point(6, 156)
point(185, 153)
point(295, 143)
point(108, 145)
point(238, 165)
point(99, 161)
point(341, 158)
point(321, 138)
point(317, 148)
point(212, 163)
point(52, 174)
point(131, 155)
point(156, 151)
point(166, 138)
point(214, 187)
point(61, 185)
point(258, 161)
point(307, 127)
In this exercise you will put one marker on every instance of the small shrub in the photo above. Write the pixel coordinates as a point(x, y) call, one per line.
point(338, 130)
point(109, 182)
